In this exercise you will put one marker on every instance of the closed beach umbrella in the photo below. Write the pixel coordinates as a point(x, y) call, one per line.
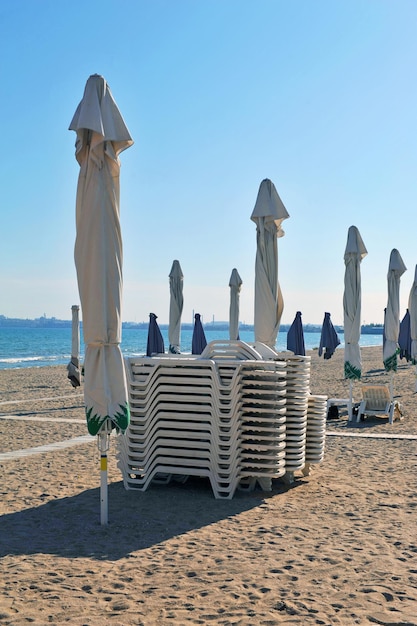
point(268, 215)
point(354, 253)
point(73, 366)
point(404, 337)
point(235, 284)
point(295, 336)
point(198, 342)
point(396, 269)
point(101, 136)
point(329, 339)
point(155, 343)
point(176, 304)
point(412, 308)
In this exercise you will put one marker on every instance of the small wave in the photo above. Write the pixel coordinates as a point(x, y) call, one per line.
point(22, 359)
point(29, 359)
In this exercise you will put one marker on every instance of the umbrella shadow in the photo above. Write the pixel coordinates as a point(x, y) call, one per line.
point(374, 372)
point(50, 410)
point(70, 527)
point(382, 372)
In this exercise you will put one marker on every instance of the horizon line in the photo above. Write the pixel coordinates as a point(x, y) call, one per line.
point(44, 319)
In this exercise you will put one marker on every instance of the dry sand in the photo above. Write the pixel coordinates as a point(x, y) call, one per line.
point(336, 547)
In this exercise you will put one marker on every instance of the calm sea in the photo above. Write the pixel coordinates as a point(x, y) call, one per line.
point(38, 347)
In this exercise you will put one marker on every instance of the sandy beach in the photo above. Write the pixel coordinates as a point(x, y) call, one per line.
point(336, 547)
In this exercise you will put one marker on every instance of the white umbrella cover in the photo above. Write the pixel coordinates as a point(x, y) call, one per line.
point(268, 215)
point(176, 304)
point(73, 366)
point(235, 284)
point(354, 253)
point(101, 136)
point(396, 269)
point(412, 308)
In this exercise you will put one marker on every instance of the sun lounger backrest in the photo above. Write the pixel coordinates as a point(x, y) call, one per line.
point(377, 397)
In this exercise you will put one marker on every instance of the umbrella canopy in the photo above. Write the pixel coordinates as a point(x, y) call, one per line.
point(268, 215)
point(198, 342)
point(155, 344)
point(354, 253)
point(73, 366)
point(404, 338)
point(329, 339)
point(101, 136)
point(176, 304)
point(396, 269)
point(295, 336)
point(412, 307)
point(235, 284)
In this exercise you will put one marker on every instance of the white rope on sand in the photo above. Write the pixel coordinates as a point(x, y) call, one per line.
point(370, 435)
point(52, 447)
point(60, 445)
point(25, 418)
point(76, 395)
point(69, 443)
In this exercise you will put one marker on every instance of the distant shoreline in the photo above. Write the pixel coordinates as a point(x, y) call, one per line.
point(52, 322)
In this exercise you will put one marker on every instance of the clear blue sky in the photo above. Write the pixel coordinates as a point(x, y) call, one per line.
point(320, 96)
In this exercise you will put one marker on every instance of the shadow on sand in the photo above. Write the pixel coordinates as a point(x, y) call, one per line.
point(70, 527)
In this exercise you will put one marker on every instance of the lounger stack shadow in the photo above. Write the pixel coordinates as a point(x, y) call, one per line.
point(221, 415)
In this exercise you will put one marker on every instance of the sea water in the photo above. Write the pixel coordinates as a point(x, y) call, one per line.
point(38, 347)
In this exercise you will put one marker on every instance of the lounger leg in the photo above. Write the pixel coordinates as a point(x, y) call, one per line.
point(350, 400)
point(306, 471)
point(288, 478)
point(361, 411)
point(391, 413)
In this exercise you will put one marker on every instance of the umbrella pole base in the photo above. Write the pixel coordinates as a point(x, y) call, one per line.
point(103, 442)
point(104, 508)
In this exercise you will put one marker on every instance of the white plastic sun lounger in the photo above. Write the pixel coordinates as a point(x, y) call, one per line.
point(376, 400)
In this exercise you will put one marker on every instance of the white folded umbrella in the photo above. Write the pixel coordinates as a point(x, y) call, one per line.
point(235, 284)
point(268, 215)
point(396, 269)
point(73, 366)
point(176, 304)
point(101, 136)
point(354, 253)
point(412, 308)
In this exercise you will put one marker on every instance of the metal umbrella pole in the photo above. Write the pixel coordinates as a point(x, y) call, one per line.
point(103, 443)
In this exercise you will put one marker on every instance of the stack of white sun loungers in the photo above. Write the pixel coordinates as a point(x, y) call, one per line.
point(316, 429)
point(262, 422)
point(297, 393)
point(221, 415)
